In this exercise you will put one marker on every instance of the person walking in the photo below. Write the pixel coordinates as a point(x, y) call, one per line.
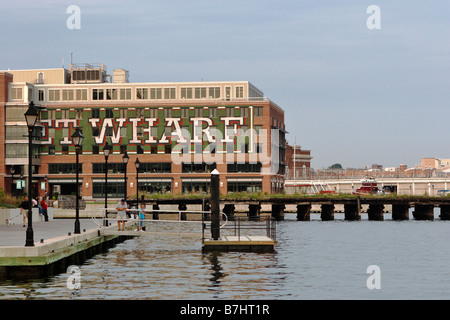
point(121, 208)
point(44, 207)
point(25, 205)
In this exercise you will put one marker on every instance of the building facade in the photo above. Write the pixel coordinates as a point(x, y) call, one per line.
point(179, 131)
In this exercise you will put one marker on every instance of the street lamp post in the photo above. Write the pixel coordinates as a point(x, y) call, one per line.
point(31, 117)
point(137, 164)
point(125, 159)
point(106, 150)
point(77, 139)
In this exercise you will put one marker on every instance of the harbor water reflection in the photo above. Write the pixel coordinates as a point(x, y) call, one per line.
point(313, 260)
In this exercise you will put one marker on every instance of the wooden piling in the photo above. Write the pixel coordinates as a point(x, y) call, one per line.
point(327, 213)
point(400, 211)
point(375, 212)
point(423, 212)
point(303, 212)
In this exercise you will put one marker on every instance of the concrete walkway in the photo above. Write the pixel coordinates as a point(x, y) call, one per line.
point(15, 235)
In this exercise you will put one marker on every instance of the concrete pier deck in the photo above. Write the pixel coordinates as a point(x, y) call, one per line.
point(59, 247)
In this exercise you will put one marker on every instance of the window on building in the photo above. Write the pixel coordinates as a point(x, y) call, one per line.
point(16, 94)
point(155, 186)
point(41, 95)
point(244, 186)
point(186, 93)
point(67, 95)
point(95, 113)
point(60, 168)
point(97, 94)
point(95, 149)
point(109, 113)
point(141, 93)
point(214, 92)
point(155, 93)
point(81, 94)
point(125, 94)
point(16, 113)
point(239, 92)
point(54, 95)
point(111, 94)
point(200, 93)
point(169, 93)
point(258, 111)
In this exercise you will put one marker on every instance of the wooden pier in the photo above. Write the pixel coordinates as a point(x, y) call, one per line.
point(423, 207)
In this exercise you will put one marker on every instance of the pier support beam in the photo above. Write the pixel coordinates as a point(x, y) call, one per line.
point(327, 213)
point(182, 207)
point(400, 212)
point(423, 212)
point(278, 212)
point(375, 212)
point(445, 212)
point(155, 215)
point(352, 212)
point(254, 211)
point(228, 209)
point(303, 212)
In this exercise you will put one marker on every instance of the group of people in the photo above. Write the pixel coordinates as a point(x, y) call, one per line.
point(122, 208)
point(25, 205)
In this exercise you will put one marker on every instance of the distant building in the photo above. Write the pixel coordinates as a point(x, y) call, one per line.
point(298, 162)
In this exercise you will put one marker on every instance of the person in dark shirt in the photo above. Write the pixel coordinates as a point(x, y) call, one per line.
point(25, 205)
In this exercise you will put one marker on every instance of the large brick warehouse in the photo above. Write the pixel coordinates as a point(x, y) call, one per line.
point(179, 131)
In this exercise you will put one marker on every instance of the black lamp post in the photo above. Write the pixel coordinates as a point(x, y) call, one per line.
point(31, 117)
point(77, 139)
point(137, 164)
point(106, 151)
point(125, 159)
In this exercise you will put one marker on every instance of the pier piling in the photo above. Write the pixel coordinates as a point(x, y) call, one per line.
point(375, 212)
point(303, 212)
point(423, 212)
point(351, 212)
point(327, 212)
point(400, 211)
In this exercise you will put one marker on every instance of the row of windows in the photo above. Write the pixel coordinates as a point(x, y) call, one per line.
point(116, 189)
point(198, 148)
point(15, 114)
point(125, 93)
point(151, 167)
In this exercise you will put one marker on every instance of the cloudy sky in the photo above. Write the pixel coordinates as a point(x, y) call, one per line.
point(351, 95)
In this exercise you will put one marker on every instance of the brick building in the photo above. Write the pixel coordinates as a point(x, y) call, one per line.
point(178, 130)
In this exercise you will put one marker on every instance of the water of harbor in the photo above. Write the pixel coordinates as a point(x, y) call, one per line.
point(313, 260)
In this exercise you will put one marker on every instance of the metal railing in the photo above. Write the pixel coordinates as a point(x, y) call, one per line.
point(265, 227)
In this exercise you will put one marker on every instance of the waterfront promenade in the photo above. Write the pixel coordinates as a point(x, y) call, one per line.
point(14, 235)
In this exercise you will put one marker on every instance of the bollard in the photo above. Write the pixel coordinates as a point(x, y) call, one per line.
point(215, 207)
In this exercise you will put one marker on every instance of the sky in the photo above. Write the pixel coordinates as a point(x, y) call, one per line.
point(351, 94)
